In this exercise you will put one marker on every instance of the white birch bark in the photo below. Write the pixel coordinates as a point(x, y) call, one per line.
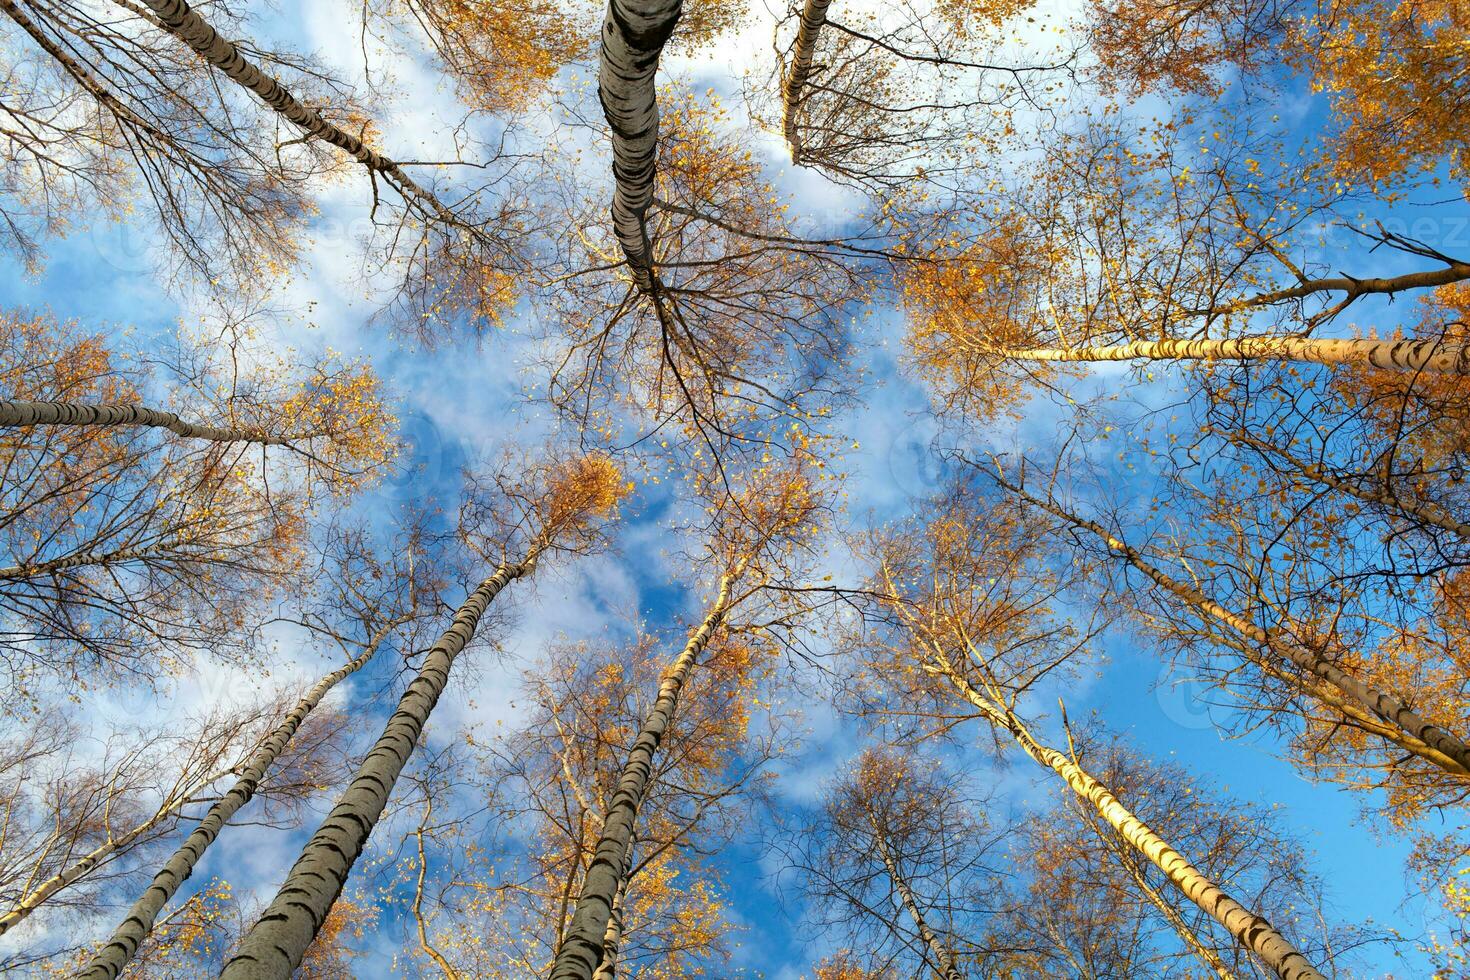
point(141, 918)
point(944, 961)
point(274, 947)
point(17, 413)
point(1209, 957)
point(581, 949)
point(1395, 355)
point(612, 937)
point(1249, 929)
point(813, 17)
point(82, 559)
point(633, 37)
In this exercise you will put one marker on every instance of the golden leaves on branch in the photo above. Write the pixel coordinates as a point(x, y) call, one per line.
point(969, 303)
point(581, 490)
point(1395, 73)
point(1393, 70)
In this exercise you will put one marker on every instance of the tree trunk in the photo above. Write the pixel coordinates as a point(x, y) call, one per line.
point(16, 413)
point(1250, 930)
point(1380, 703)
point(1351, 711)
point(1397, 355)
point(138, 924)
point(813, 16)
point(1204, 953)
point(581, 950)
point(944, 962)
point(84, 559)
point(633, 38)
point(612, 937)
point(275, 945)
point(180, 20)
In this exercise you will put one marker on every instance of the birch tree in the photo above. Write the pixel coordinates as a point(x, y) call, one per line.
point(558, 509)
point(554, 777)
point(745, 328)
point(1406, 727)
point(903, 864)
point(760, 528)
point(329, 412)
point(1211, 235)
point(1279, 563)
point(1188, 240)
point(963, 591)
point(1095, 908)
point(378, 599)
point(231, 197)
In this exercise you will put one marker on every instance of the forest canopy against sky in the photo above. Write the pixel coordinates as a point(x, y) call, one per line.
point(837, 489)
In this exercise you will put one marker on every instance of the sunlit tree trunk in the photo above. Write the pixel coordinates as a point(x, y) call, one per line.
point(85, 559)
point(1380, 703)
point(582, 948)
point(1351, 711)
point(1250, 930)
point(633, 38)
point(274, 947)
point(14, 413)
point(813, 16)
point(1397, 355)
point(138, 924)
point(1203, 952)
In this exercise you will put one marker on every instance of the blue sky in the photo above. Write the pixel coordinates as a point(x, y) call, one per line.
point(469, 398)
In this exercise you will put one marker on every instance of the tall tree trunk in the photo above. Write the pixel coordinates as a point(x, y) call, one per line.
point(813, 17)
point(1380, 703)
point(15, 413)
point(138, 924)
point(1249, 929)
point(180, 20)
point(1203, 952)
point(581, 950)
point(275, 945)
point(1397, 355)
point(1347, 710)
point(944, 961)
point(633, 38)
point(612, 937)
point(82, 559)
point(100, 854)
